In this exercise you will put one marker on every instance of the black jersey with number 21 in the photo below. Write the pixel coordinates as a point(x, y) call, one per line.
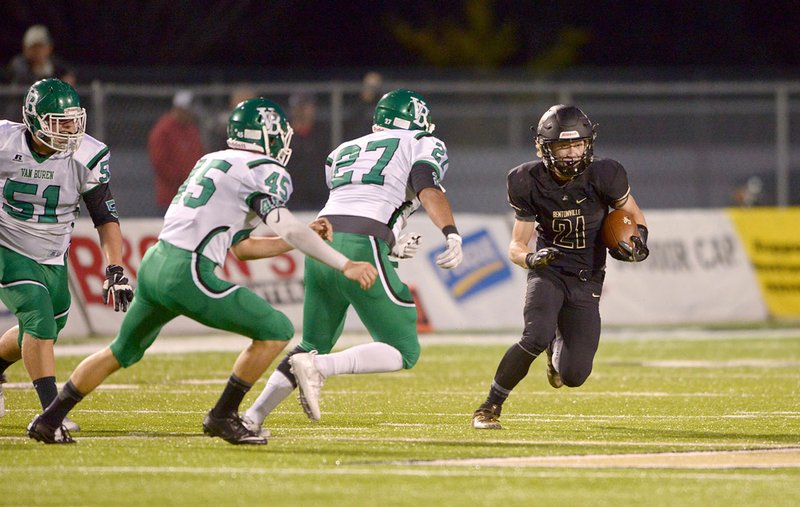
point(569, 216)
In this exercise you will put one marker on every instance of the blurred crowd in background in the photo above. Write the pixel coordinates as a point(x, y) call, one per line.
point(700, 152)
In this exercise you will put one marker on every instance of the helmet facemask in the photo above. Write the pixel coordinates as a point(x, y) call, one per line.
point(565, 124)
point(279, 139)
point(62, 131)
point(566, 167)
point(53, 115)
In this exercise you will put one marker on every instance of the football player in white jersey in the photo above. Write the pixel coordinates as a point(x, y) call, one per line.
point(227, 194)
point(374, 181)
point(47, 165)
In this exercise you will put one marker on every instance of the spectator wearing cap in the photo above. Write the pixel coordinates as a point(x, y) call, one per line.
point(174, 145)
point(37, 60)
point(310, 148)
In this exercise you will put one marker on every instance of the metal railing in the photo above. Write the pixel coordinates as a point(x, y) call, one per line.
point(490, 119)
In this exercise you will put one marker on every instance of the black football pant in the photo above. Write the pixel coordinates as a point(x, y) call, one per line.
point(571, 303)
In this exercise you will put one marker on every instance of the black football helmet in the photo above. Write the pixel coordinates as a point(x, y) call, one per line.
point(564, 123)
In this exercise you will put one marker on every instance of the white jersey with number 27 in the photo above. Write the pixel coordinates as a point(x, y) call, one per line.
point(368, 176)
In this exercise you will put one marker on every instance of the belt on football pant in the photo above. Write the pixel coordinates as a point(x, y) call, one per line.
point(361, 225)
point(583, 275)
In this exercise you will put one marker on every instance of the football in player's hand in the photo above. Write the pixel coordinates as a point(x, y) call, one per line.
point(618, 226)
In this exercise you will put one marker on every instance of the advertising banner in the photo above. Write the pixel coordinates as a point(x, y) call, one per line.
point(483, 292)
point(698, 272)
point(771, 237)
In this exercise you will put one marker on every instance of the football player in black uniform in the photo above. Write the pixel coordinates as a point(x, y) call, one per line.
point(565, 196)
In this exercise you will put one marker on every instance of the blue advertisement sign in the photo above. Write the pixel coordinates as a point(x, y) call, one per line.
point(484, 265)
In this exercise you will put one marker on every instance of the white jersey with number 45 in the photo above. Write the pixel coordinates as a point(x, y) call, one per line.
point(211, 210)
point(368, 176)
point(40, 195)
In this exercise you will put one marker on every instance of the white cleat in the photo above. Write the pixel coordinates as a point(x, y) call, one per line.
point(255, 427)
point(71, 425)
point(553, 360)
point(309, 382)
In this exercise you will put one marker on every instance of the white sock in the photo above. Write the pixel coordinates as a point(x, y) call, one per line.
point(277, 389)
point(372, 357)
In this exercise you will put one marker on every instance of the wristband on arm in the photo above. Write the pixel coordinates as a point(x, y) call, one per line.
point(449, 229)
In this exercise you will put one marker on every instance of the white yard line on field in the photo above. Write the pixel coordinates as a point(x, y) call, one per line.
point(231, 342)
point(337, 468)
point(788, 457)
point(290, 434)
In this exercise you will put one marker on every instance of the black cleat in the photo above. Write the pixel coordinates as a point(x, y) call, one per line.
point(231, 429)
point(42, 432)
point(485, 418)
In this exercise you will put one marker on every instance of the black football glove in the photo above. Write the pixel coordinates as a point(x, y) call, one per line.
point(116, 287)
point(635, 251)
point(542, 257)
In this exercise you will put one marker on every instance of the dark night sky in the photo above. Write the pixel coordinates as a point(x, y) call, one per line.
point(297, 34)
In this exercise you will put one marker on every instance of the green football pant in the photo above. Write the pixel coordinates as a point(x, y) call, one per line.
point(172, 282)
point(37, 294)
point(386, 309)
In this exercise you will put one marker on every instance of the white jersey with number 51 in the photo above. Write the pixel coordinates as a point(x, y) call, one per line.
point(368, 176)
point(40, 195)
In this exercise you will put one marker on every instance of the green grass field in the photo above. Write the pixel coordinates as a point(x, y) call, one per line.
point(142, 442)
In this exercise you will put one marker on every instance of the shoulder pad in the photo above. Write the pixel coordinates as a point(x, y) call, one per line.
point(90, 152)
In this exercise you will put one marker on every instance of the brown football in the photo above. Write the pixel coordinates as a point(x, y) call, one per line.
point(618, 226)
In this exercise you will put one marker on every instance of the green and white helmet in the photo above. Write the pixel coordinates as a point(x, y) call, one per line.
point(403, 109)
point(260, 125)
point(53, 114)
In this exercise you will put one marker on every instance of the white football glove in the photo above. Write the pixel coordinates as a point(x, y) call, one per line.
point(452, 256)
point(406, 246)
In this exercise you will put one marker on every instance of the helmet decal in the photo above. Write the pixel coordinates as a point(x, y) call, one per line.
point(403, 109)
point(260, 125)
point(270, 119)
point(421, 112)
point(30, 101)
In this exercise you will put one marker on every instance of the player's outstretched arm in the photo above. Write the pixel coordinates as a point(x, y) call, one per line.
point(283, 222)
point(363, 273)
point(262, 247)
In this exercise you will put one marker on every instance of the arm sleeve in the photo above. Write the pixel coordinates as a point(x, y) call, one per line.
point(297, 234)
point(423, 176)
point(101, 205)
point(263, 204)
